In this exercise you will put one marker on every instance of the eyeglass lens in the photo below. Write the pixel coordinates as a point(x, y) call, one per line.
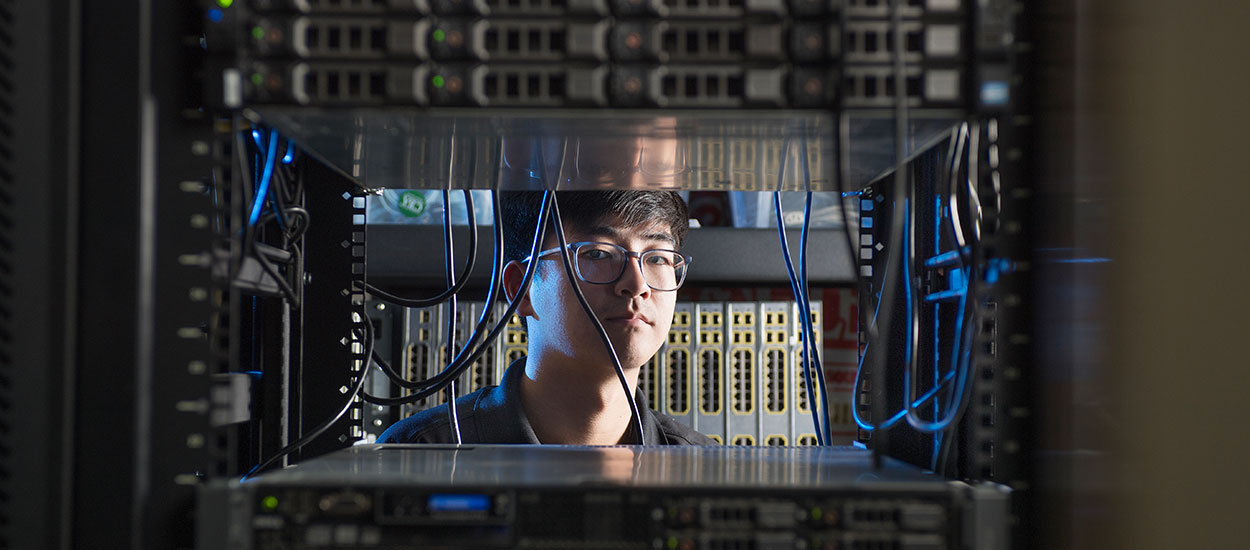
point(603, 263)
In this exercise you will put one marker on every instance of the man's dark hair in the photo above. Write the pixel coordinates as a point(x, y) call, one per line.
point(583, 209)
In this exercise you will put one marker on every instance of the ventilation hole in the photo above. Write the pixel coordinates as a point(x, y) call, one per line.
point(712, 84)
point(556, 40)
point(512, 85)
point(914, 41)
point(332, 84)
point(312, 37)
point(533, 40)
point(870, 42)
point(713, 42)
point(353, 84)
point(913, 86)
point(492, 40)
point(555, 85)
point(377, 39)
point(668, 41)
point(491, 85)
point(377, 84)
point(533, 86)
point(668, 86)
point(736, 42)
point(513, 37)
point(355, 38)
point(692, 86)
point(692, 42)
point(734, 87)
point(333, 38)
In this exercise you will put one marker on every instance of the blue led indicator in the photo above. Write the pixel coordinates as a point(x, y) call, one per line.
point(458, 503)
point(995, 92)
point(215, 15)
point(865, 205)
point(866, 222)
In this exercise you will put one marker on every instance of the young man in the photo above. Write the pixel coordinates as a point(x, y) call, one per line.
point(566, 390)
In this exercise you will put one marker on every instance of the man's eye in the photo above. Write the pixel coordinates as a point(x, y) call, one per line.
point(596, 254)
point(659, 259)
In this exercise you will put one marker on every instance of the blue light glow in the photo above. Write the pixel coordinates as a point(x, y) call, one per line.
point(215, 15)
point(995, 92)
point(458, 503)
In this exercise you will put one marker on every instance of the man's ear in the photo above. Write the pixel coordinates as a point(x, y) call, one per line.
point(513, 273)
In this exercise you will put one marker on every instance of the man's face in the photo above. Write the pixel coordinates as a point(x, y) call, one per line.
point(635, 316)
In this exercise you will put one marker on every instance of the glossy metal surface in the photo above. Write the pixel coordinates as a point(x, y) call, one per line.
point(774, 468)
point(603, 149)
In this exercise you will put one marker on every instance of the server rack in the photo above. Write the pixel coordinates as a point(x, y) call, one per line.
point(203, 411)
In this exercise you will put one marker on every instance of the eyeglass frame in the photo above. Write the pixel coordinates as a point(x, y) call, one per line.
point(637, 256)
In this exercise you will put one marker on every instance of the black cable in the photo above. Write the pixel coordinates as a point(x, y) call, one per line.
point(577, 291)
point(450, 291)
point(367, 331)
point(283, 285)
point(896, 225)
point(449, 272)
point(386, 368)
point(594, 320)
point(483, 320)
point(495, 284)
point(438, 382)
point(952, 193)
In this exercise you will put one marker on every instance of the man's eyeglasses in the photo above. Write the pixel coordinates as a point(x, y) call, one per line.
point(604, 263)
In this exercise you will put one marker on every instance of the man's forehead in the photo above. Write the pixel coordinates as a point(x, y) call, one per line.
point(616, 228)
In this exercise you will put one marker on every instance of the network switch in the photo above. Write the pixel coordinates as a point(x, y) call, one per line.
point(708, 318)
point(522, 496)
point(564, 53)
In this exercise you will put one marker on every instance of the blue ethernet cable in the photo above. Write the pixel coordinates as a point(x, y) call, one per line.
point(263, 188)
point(799, 297)
point(807, 304)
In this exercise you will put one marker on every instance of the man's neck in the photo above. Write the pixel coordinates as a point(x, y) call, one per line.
point(577, 404)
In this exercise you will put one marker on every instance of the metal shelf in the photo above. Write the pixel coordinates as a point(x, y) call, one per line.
point(411, 256)
point(721, 150)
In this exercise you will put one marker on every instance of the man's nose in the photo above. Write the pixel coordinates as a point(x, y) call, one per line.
point(632, 281)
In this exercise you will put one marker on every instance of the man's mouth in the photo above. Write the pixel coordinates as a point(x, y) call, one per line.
point(629, 318)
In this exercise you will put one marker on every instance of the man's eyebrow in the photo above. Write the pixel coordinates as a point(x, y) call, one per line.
point(611, 231)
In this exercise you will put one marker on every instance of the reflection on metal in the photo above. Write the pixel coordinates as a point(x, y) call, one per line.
point(712, 150)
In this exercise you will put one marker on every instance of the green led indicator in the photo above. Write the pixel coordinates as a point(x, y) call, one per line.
point(439, 35)
point(269, 503)
point(258, 33)
point(438, 81)
point(816, 513)
point(257, 79)
point(225, 3)
point(672, 543)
